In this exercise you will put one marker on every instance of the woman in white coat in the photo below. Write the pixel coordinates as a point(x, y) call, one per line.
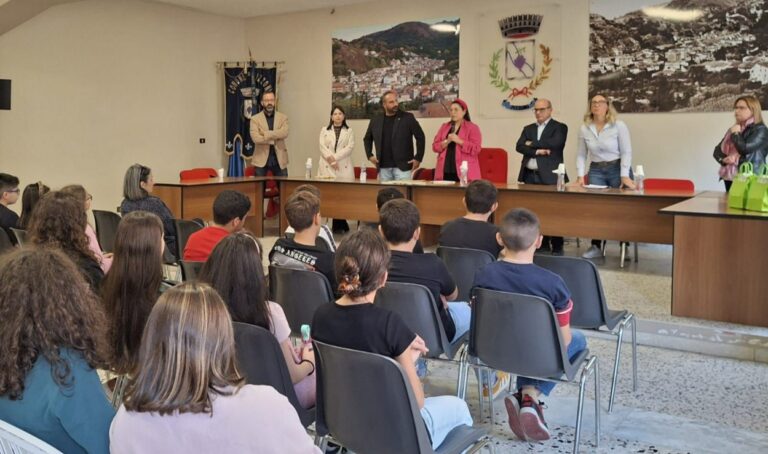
point(336, 144)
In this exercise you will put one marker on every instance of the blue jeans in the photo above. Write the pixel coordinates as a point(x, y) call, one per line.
point(461, 314)
point(272, 165)
point(442, 414)
point(393, 173)
point(577, 345)
point(607, 176)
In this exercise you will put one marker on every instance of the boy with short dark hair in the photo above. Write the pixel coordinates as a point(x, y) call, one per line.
point(384, 196)
point(325, 233)
point(9, 194)
point(520, 234)
point(305, 249)
point(229, 211)
point(473, 230)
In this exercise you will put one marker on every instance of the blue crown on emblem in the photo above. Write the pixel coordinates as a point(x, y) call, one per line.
point(520, 25)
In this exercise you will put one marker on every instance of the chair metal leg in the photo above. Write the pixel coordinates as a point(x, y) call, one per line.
point(489, 383)
point(461, 376)
point(623, 248)
point(616, 362)
point(635, 252)
point(321, 442)
point(596, 374)
point(603, 247)
point(580, 409)
point(480, 390)
point(634, 351)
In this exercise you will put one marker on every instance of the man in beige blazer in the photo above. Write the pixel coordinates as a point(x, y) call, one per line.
point(269, 129)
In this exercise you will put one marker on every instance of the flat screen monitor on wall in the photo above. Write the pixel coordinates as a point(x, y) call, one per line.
point(5, 94)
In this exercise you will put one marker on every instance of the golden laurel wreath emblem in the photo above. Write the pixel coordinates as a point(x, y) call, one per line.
point(499, 82)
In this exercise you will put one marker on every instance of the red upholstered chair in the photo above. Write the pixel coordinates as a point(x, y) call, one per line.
point(493, 164)
point(424, 174)
point(671, 184)
point(371, 173)
point(271, 192)
point(200, 173)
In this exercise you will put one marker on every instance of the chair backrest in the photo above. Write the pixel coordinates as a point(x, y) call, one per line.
point(190, 270)
point(590, 310)
point(5, 241)
point(493, 164)
point(371, 173)
point(106, 228)
point(672, 184)
point(250, 171)
point(199, 173)
point(18, 236)
point(15, 441)
point(300, 293)
point(364, 401)
point(463, 263)
point(262, 362)
point(417, 307)
point(517, 334)
point(184, 228)
point(424, 174)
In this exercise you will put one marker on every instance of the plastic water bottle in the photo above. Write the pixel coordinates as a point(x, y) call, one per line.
point(308, 169)
point(560, 177)
point(639, 177)
point(363, 174)
point(464, 170)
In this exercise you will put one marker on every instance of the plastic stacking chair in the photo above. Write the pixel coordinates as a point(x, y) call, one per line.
point(5, 241)
point(106, 228)
point(300, 293)
point(424, 174)
point(463, 263)
point(271, 191)
point(15, 441)
point(184, 229)
point(190, 270)
point(261, 360)
point(365, 403)
point(199, 173)
point(590, 309)
point(519, 334)
point(493, 164)
point(19, 236)
point(417, 307)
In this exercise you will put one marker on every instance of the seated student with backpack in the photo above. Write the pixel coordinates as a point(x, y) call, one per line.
point(355, 322)
point(229, 211)
point(473, 230)
point(520, 234)
point(305, 250)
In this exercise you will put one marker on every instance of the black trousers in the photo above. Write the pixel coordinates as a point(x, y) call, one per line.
point(554, 243)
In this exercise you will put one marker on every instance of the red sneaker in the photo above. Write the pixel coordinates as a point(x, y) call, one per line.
point(513, 411)
point(532, 420)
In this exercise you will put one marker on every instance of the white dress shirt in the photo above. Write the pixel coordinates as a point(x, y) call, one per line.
point(610, 144)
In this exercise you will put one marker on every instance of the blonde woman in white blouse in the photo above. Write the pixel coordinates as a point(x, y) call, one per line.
point(336, 144)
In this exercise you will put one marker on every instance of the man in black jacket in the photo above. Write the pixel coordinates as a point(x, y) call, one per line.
point(393, 135)
point(541, 145)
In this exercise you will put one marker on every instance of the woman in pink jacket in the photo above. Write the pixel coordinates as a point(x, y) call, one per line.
point(456, 141)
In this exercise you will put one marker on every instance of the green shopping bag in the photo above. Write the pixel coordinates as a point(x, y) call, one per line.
point(757, 197)
point(737, 196)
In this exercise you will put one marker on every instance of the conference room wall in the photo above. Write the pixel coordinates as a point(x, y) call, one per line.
point(667, 144)
point(98, 86)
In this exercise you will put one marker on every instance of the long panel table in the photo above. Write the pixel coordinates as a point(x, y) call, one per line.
point(720, 262)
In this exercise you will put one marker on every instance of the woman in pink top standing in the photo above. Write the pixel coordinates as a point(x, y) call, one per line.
point(456, 141)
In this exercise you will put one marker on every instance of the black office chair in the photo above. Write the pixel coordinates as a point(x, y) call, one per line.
point(416, 306)
point(519, 334)
point(190, 270)
point(184, 228)
point(6, 245)
point(261, 360)
point(463, 263)
point(18, 236)
point(366, 404)
point(106, 228)
point(300, 293)
point(590, 309)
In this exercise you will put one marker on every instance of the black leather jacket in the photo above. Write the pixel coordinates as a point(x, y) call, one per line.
point(751, 143)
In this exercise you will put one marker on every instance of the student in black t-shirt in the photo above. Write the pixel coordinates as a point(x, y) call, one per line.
point(473, 230)
point(354, 322)
point(520, 234)
point(399, 223)
point(305, 250)
point(9, 194)
point(384, 196)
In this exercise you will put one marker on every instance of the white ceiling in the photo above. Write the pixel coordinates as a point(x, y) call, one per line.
point(250, 8)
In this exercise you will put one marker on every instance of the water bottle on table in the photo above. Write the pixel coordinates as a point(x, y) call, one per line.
point(464, 171)
point(639, 177)
point(560, 177)
point(363, 173)
point(308, 171)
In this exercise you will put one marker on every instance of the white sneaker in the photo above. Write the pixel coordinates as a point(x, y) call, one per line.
point(592, 253)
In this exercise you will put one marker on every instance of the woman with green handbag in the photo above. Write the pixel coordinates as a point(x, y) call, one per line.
point(745, 141)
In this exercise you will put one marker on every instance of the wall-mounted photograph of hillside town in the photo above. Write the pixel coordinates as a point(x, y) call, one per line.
point(418, 59)
point(678, 56)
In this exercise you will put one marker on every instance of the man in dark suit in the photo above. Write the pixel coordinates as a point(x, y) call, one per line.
point(393, 135)
point(541, 145)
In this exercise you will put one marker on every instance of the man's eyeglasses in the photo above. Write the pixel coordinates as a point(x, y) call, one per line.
point(17, 190)
point(543, 109)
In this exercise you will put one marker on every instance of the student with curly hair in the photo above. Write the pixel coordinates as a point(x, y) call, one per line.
point(79, 192)
point(52, 338)
point(59, 221)
point(188, 394)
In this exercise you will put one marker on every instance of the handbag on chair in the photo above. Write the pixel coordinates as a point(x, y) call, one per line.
point(737, 196)
point(757, 196)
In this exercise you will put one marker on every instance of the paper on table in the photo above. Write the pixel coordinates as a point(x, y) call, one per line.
point(595, 186)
